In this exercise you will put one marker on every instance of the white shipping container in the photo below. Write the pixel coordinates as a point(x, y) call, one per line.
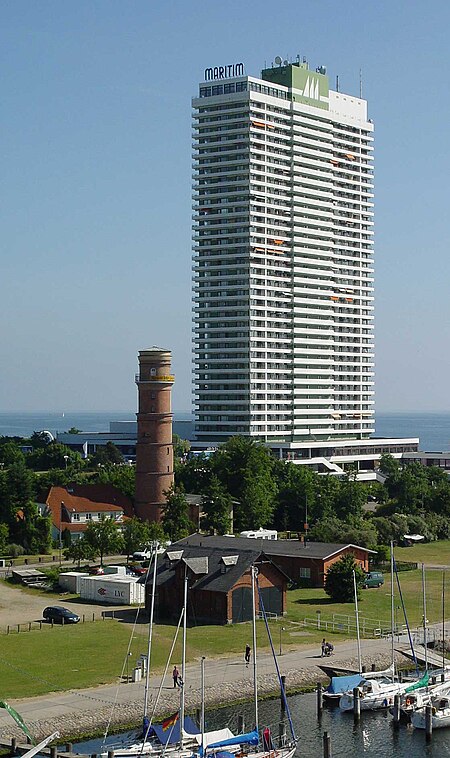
point(115, 590)
point(70, 580)
point(118, 570)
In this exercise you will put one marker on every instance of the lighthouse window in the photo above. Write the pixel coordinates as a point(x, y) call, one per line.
point(153, 372)
point(167, 451)
point(153, 395)
point(153, 408)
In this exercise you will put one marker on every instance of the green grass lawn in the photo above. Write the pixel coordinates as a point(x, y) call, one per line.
point(375, 603)
point(433, 553)
point(59, 658)
point(85, 655)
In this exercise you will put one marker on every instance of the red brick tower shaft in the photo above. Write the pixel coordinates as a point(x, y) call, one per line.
point(154, 449)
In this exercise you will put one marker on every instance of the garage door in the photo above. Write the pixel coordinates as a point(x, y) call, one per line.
point(242, 604)
point(273, 600)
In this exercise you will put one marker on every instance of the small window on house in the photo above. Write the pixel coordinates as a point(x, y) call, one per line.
point(153, 395)
point(153, 372)
point(304, 572)
point(167, 451)
point(153, 409)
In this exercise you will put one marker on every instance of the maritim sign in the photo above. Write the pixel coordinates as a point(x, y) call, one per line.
point(224, 72)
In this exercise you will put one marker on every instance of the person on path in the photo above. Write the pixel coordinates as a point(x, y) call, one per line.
point(247, 654)
point(324, 647)
point(176, 677)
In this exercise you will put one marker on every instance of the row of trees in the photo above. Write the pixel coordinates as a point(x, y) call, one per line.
point(243, 477)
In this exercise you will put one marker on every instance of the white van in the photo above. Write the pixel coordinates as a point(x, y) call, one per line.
point(261, 534)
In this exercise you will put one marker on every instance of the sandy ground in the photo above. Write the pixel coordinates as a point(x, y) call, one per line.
point(17, 607)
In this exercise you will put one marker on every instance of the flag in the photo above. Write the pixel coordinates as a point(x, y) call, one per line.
point(170, 721)
point(17, 718)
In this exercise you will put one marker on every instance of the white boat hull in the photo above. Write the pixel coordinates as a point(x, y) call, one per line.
point(439, 720)
point(373, 701)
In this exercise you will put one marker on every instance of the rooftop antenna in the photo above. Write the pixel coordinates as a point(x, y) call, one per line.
point(337, 83)
point(360, 83)
point(278, 60)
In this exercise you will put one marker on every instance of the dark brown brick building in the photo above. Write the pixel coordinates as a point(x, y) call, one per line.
point(219, 584)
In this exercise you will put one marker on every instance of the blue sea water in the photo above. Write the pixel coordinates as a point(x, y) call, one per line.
point(433, 429)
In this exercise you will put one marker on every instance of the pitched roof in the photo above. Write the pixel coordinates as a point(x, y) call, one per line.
point(86, 498)
point(220, 577)
point(291, 548)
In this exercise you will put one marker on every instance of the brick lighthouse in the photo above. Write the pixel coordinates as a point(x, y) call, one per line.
point(154, 449)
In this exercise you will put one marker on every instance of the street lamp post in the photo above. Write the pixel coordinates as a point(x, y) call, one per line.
point(60, 531)
point(282, 629)
point(305, 525)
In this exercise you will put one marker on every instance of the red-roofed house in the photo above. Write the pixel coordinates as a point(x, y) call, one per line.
point(72, 508)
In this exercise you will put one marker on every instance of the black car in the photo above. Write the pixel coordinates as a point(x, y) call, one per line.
point(60, 615)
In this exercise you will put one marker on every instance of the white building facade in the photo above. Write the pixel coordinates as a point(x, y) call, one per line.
point(283, 261)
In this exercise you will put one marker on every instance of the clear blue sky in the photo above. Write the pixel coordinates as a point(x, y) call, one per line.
point(96, 181)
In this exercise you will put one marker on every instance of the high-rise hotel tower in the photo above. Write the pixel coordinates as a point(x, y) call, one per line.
point(283, 261)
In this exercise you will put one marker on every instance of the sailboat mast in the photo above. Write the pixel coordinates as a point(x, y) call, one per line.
point(357, 623)
point(443, 619)
point(392, 612)
point(202, 716)
point(183, 659)
point(424, 595)
point(150, 627)
point(255, 677)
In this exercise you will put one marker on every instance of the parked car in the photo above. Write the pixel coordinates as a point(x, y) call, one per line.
point(60, 615)
point(373, 579)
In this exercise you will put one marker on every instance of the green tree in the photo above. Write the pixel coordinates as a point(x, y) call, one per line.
point(135, 536)
point(350, 499)
point(80, 550)
point(123, 477)
point(297, 494)
point(53, 456)
point(339, 583)
point(106, 455)
point(4, 538)
point(175, 520)
point(245, 469)
point(194, 474)
point(11, 453)
point(17, 489)
point(180, 446)
point(104, 537)
point(217, 505)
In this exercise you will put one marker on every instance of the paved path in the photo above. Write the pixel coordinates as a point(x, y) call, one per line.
point(227, 679)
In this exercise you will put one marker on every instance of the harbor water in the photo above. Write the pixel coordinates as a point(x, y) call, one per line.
point(374, 736)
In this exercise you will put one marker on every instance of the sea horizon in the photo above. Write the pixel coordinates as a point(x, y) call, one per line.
point(432, 427)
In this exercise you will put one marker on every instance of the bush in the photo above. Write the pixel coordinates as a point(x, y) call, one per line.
point(339, 583)
point(14, 550)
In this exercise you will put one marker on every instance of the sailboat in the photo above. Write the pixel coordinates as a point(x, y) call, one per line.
point(177, 736)
point(266, 747)
point(376, 694)
point(440, 696)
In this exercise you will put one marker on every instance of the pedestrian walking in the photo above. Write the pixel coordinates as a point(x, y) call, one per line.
point(247, 654)
point(176, 677)
point(324, 647)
